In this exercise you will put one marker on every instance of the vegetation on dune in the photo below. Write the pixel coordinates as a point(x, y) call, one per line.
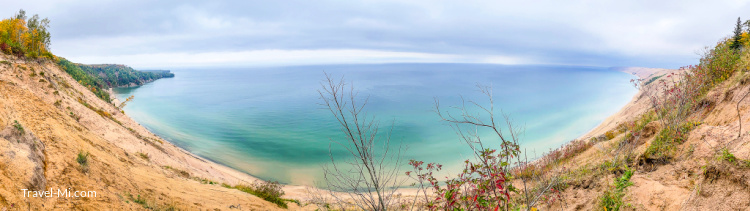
point(266, 190)
point(83, 160)
point(25, 37)
point(652, 80)
point(115, 75)
point(679, 102)
point(18, 127)
point(90, 81)
point(98, 78)
point(612, 199)
point(150, 205)
point(29, 38)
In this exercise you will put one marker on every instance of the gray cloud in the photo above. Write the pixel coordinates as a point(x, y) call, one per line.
point(624, 33)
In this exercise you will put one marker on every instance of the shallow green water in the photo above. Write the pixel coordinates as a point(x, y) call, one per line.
point(268, 121)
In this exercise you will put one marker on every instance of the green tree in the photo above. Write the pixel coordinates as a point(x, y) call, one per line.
point(737, 34)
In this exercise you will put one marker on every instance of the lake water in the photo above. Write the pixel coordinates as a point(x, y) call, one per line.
point(269, 123)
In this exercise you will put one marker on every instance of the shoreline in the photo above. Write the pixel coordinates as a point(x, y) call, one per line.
point(209, 169)
point(233, 176)
point(635, 107)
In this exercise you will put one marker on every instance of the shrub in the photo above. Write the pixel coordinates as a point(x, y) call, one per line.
point(486, 183)
point(612, 198)
point(17, 50)
point(205, 181)
point(480, 185)
point(652, 80)
point(663, 146)
point(5, 48)
point(727, 156)
point(678, 96)
point(74, 116)
point(144, 156)
point(266, 190)
point(179, 172)
point(18, 127)
point(140, 201)
point(610, 134)
point(48, 55)
point(82, 158)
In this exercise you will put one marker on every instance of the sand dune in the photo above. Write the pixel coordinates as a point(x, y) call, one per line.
point(130, 168)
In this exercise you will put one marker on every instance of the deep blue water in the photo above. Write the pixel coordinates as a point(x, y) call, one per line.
point(269, 122)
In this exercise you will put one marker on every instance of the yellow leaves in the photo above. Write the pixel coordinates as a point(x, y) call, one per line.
point(745, 39)
point(29, 39)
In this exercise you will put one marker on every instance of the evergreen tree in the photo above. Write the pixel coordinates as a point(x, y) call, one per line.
point(737, 34)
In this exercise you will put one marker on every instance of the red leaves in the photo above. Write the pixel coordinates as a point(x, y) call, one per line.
point(481, 185)
point(5, 48)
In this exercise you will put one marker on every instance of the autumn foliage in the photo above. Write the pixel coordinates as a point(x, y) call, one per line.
point(25, 37)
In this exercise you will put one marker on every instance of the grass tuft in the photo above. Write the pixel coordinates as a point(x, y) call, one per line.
point(83, 160)
point(266, 190)
point(612, 198)
point(145, 156)
point(727, 156)
point(18, 127)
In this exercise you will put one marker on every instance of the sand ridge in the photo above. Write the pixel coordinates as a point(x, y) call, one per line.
point(126, 161)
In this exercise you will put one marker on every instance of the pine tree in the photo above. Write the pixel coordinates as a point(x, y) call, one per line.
point(737, 34)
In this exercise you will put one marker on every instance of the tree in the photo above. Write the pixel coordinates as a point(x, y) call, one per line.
point(25, 38)
point(737, 34)
point(369, 174)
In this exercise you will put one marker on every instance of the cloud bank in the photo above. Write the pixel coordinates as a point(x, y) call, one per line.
point(165, 34)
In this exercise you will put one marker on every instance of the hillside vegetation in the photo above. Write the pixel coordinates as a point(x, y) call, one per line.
point(98, 78)
point(25, 37)
point(29, 39)
point(680, 145)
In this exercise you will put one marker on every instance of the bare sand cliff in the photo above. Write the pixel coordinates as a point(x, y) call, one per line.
point(126, 162)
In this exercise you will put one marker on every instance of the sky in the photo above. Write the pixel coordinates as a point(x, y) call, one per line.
point(172, 34)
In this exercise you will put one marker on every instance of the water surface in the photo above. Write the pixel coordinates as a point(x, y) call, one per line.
point(268, 122)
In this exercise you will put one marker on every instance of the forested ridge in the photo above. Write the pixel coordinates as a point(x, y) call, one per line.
point(99, 77)
point(29, 39)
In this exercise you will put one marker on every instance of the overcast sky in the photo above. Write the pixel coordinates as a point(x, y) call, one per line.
point(169, 34)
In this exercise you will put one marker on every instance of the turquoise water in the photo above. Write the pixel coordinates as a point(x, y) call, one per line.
point(268, 121)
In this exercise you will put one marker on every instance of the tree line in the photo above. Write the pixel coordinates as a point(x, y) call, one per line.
point(98, 78)
point(25, 37)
